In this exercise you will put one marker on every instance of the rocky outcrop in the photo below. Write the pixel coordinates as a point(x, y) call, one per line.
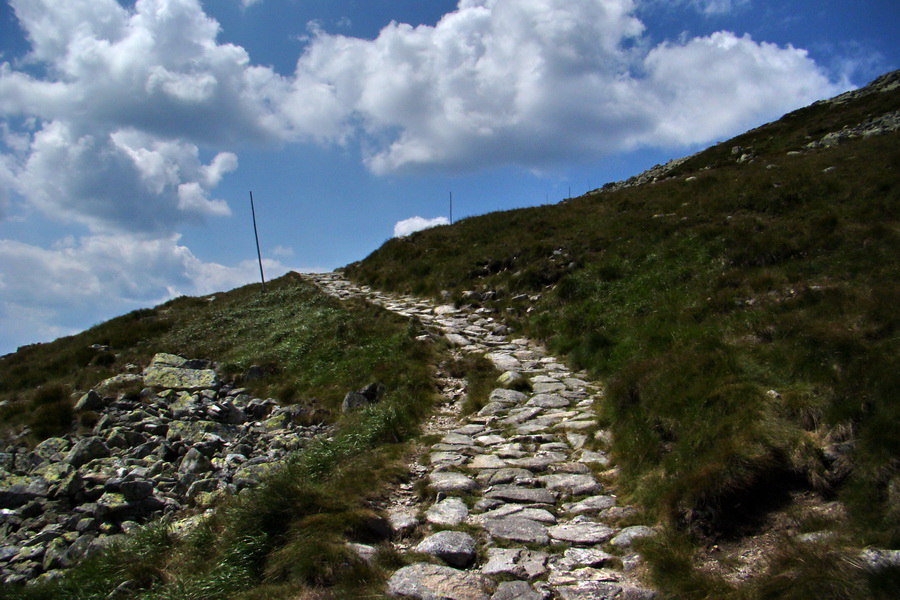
point(181, 442)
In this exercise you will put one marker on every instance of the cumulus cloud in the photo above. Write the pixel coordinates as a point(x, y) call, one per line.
point(413, 224)
point(536, 83)
point(494, 82)
point(77, 282)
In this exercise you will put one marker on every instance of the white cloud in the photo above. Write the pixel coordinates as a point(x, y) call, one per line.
point(413, 224)
point(539, 82)
point(76, 283)
point(495, 82)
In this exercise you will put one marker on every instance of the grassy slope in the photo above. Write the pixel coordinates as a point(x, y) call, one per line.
point(285, 538)
point(696, 299)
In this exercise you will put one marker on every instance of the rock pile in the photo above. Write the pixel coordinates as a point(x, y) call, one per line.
point(524, 503)
point(171, 438)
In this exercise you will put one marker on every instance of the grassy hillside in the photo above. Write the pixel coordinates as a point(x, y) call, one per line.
point(287, 537)
point(743, 311)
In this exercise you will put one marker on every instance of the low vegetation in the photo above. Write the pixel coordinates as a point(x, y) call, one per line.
point(743, 312)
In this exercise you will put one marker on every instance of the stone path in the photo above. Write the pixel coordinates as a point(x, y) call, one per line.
point(523, 503)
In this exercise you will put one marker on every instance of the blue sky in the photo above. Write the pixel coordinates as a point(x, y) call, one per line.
point(132, 132)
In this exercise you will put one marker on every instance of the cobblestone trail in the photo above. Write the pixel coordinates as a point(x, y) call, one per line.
point(524, 500)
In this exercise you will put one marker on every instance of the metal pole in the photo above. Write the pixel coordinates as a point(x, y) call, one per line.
point(451, 208)
point(258, 253)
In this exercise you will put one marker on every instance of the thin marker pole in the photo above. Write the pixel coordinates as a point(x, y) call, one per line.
point(258, 253)
point(451, 208)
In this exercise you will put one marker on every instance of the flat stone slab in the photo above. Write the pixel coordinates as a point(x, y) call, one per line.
point(458, 439)
point(518, 416)
point(516, 590)
point(591, 590)
point(450, 512)
point(403, 520)
point(522, 477)
point(549, 387)
point(458, 340)
point(582, 557)
point(518, 562)
point(514, 493)
point(517, 510)
point(518, 530)
point(627, 536)
point(575, 425)
point(506, 396)
point(456, 548)
point(487, 461)
point(592, 504)
point(582, 574)
point(451, 483)
point(493, 408)
point(571, 484)
point(581, 533)
point(490, 440)
point(539, 461)
point(504, 362)
point(425, 581)
point(547, 400)
point(447, 458)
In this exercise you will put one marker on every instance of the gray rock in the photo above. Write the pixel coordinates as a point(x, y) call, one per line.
point(135, 490)
point(571, 484)
point(517, 510)
point(549, 387)
point(516, 590)
point(456, 548)
point(592, 504)
point(583, 557)
point(513, 493)
point(163, 376)
point(517, 562)
point(487, 461)
point(86, 450)
point(454, 339)
point(518, 530)
point(424, 581)
point(111, 386)
point(448, 458)
point(450, 512)
point(505, 396)
point(504, 362)
point(581, 533)
point(194, 463)
point(626, 537)
point(591, 590)
point(90, 401)
point(451, 483)
point(512, 380)
point(545, 400)
point(402, 521)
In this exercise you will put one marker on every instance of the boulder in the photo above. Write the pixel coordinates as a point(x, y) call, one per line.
point(456, 548)
point(86, 450)
point(424, 581)
point(195, 463)
point(449, 512)
point(90, 401)
point(518, 530)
